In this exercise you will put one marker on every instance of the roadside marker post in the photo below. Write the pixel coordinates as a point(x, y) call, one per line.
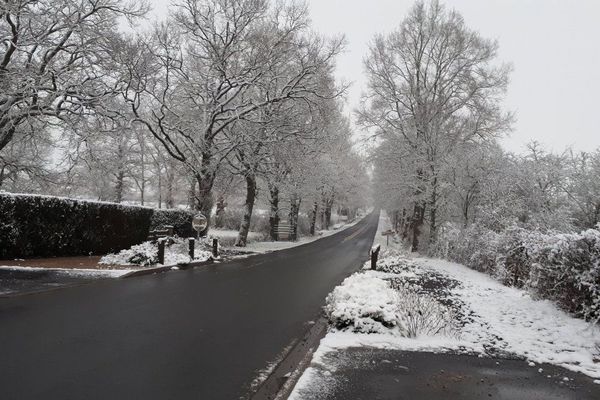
point(387, 235)
point(374, 255)
point(161, 250)
point(192, 247)
point(215, 248)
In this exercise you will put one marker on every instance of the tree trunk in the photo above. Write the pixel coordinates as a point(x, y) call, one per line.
point(192, 194)
point(273, 216)
point(220, 212)
point(248, 207)
point(294, 213)
point(204, 199)
point(119, 185)
point(313, 218)
point(328, 206)
point(170, 201)
point(6, 134)
point(433, 213)
point(416, 223)
point(159, 190)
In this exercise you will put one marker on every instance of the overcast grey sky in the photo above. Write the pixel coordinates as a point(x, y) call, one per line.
point(552, 44)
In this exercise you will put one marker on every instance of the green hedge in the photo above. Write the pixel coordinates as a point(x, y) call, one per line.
point(45, 226)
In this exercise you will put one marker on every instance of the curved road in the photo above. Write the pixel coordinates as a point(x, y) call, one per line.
point(196, 334)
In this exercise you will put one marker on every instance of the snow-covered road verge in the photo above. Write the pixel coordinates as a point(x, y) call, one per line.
point(430, 305)
point(508, 320)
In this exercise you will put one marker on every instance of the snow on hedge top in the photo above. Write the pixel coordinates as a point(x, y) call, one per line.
point(69, 199)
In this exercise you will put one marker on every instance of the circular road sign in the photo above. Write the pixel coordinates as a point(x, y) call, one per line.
point(199, 222)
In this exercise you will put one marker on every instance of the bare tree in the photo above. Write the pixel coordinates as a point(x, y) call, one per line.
point(432, 87)
point(55, 60)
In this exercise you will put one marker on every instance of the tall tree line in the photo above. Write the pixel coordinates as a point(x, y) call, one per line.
point(221, 91)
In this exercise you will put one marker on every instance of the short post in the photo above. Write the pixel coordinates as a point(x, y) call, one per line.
point(161, 250)
point(374, 256)
point(192, 247)
point(215, 248)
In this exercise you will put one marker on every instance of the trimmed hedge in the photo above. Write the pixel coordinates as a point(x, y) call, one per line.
point(46, 226)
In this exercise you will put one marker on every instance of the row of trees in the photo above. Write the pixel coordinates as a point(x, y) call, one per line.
point(433, 106)
point(221, 93)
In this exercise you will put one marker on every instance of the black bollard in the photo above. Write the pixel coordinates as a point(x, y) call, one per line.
point(192, 247)
point(215, 248)
point(374, 256)
point(161, 250)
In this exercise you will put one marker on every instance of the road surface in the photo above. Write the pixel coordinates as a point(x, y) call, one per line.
point(368, 374)
point(196, 334)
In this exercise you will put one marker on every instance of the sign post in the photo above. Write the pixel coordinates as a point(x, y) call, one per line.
point(199, 223)
point(387, 235)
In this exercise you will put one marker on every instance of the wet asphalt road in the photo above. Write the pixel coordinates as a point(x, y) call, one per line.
point(195, 334)
point(380, 374)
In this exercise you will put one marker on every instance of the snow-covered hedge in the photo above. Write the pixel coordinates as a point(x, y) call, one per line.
point(43, 226)
point(561, 267)
point(181, 220)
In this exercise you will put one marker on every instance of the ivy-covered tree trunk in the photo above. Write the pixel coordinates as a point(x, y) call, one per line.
point(204, 197)
point(248, 208)
point(273, 214)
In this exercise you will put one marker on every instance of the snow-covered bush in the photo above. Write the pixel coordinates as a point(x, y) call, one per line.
point(421, 314)
point(141, 254)
point(363, 303)
point(561, 267)
point(367, 303)
point(567, 270)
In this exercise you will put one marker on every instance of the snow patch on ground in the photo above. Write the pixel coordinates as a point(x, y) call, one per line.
point(87, 273)
point(509, 319)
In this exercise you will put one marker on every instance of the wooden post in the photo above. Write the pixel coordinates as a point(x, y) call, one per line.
point(161, 251)
point(215, 248)
point(192, 247)
point(374, 256)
